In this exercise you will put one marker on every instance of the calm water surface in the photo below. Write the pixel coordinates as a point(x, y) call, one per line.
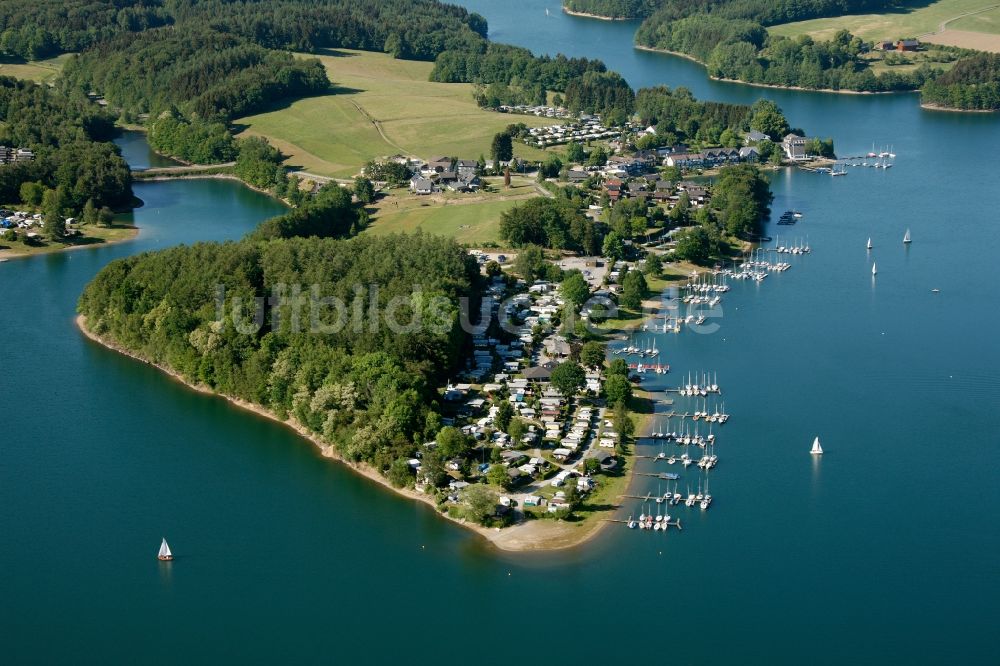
point(881, 552)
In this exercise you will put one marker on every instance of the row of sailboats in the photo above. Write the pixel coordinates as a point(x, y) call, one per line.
point(686, 436)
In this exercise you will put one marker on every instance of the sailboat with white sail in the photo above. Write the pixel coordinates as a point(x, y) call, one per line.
point(817, 449)
point(906, 238)
point(164, 555)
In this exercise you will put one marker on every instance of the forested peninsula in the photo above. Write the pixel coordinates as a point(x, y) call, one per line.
point(611, 9)
point(731, 39)
point(365, 389)
point(366, 392)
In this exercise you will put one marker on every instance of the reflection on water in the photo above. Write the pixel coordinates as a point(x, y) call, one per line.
point(166, 573)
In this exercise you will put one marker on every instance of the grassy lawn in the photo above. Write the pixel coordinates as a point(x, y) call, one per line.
point(878, 66)
point(35, 70)
point(471, 223)
point(905, 22)
point(335, 134)
point(468, 218)
point(91, 236)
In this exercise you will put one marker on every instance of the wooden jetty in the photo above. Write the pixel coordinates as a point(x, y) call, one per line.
point(650, 367)
point(687, 415)
point(676, 523)
point(708, 393)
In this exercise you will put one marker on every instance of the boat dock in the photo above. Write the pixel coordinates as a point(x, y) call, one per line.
point(635, 523)
point(695, 416)
point(658, 368)
point(684, 391)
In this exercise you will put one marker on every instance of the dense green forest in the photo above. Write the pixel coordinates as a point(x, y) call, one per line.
point(412, 29)
point(616, 9)
point(973, 84)
point(741, 199)
point(767, 12)
point(367, 389)
point(678, 111)
point(329, 214)
point(220, 59)
point(606, 93)
point(195, 69)
point(743, 50)
point(70, 138)
point(730, 38)
point(43, 28)
point(416, 29)
point(510, 74)
point(550, 223)
point(192, 140)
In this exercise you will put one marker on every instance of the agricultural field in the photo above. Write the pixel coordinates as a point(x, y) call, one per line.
point(382, 107)
point(468, 218)
point(919, 21)
point(985, 22)
point(35, 70)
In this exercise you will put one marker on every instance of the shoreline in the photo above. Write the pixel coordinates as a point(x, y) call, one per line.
point(772, 86)
point(929, 106)
point(9, 253)
point(522, 537)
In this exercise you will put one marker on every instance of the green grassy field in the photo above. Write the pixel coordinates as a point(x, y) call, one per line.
point(988, 22)
point(472, 223)
point(384, 107)
point(35, 70)
point(898, 24)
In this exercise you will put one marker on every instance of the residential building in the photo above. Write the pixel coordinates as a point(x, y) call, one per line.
point(794, 146)
point(421, 185)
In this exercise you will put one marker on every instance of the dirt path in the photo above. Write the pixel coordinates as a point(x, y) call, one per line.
point(378, 127)
point(944, 24)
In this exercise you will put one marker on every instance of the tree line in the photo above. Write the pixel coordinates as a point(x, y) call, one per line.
point(197, 70)
point(551, 223)
point(369, 391)
point(44, 28)
point(730, 38)
point(741, 49)
point(972, 84)
point(616, 9)
point(511, 75)
point(415, 29)
point(70, 139)
point(765, 12)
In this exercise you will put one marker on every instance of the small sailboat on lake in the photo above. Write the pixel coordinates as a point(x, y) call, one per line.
point(817, 449)
point(164, 555)
point(874, 270)
point(906, 238)
point(869, 246)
